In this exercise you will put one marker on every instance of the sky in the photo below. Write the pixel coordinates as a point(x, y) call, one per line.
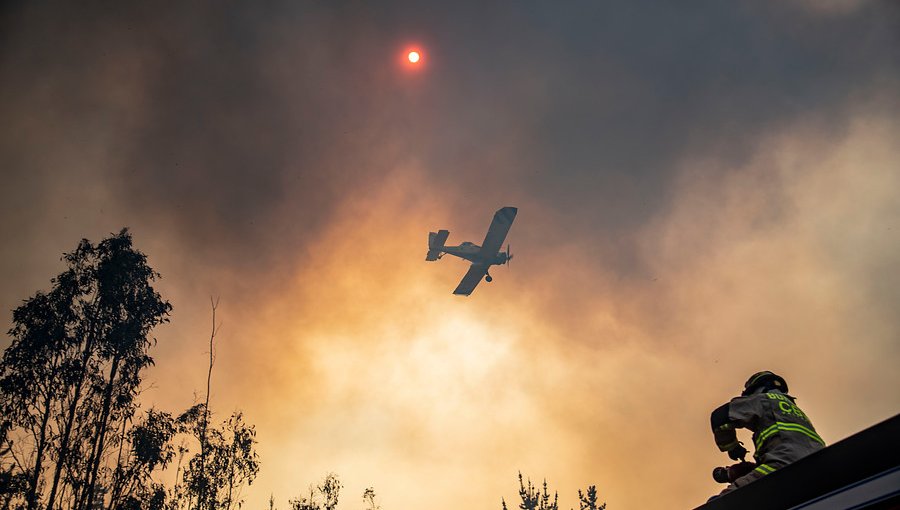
point(705, 190)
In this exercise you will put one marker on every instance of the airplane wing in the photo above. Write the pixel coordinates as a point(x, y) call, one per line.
point(496, 233)
point(471, 280)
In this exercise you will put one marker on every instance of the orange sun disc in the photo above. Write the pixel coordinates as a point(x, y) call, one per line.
point(413, 56)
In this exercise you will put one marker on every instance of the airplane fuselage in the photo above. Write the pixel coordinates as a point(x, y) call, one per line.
point(471, 252)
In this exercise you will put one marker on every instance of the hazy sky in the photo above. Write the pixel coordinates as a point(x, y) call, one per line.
point(705, 190)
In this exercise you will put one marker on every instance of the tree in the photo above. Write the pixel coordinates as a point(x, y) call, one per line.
point(130, 308)
point(533, 498)
point(230, 462)
point(588, 501)
point(151, 449)
point(69, 379)
point(226, 459)
point(204, 418)
point(539, 499)
point(369, 498)
point(329, 490)
point(325, 496)
point(36, 368)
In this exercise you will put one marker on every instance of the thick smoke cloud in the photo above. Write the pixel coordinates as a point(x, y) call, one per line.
point(705, 191)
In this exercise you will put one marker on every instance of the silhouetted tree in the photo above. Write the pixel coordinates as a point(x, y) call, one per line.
point(369, 499)
point(533, 498)
point(204, 417)
point(230, 462)
point(35, 369)
point(325, 496)
point(129, 309)
point(150, 449)
point(588, 501)
point(226, 458)
point(69, 379)
point(539, 499)
point(329, 490)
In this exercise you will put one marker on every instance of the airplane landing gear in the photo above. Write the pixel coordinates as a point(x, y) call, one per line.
point(488, 279)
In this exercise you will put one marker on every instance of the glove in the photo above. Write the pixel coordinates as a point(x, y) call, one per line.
point(737, 453)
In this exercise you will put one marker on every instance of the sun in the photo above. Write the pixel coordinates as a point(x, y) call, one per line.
point(413, 57)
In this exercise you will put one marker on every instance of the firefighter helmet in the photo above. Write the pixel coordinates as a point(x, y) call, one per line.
point(766, 381)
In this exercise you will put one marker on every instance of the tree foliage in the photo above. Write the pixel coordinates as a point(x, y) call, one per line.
point(68, 388)
point(534, 498)
point(588, 500)
point(215, 474)
point(69, 379)
point(369, 499)
point(71, 434)
point(323, 496)
point(150, 450)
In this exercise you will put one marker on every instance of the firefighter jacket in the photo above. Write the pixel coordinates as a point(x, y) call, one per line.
point(782, 433)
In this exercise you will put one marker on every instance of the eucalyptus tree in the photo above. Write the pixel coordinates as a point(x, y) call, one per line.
point(72, 371)
point(129, 308)
point(224, 462)
point(36, 369)
point(149, 449)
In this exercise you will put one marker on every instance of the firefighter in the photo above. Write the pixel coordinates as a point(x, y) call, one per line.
point(782, 433)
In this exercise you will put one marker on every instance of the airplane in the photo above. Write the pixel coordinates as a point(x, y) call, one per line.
point(482, 257)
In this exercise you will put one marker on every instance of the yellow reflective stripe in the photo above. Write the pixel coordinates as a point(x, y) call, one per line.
point(781, 426)
point(765, 469)
point(761, 438)
point(803, 430)
point(787, 427)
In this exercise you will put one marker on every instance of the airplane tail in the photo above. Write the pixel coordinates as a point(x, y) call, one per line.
point(436, 242)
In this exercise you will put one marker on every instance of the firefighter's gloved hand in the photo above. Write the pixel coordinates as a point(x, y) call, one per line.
point(737, 453)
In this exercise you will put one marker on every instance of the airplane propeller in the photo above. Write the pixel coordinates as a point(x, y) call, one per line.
point(508, 255)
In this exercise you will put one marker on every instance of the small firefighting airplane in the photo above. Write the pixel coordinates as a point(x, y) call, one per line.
point(482, 257)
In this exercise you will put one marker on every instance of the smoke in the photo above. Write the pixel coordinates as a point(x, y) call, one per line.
point(703, 192)
point(566, 371)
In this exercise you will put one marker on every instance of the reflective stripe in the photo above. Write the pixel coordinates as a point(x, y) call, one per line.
point(762, 436)
point(765, 469)
point(786, 427)
point(793, 427)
